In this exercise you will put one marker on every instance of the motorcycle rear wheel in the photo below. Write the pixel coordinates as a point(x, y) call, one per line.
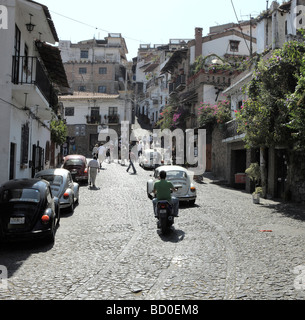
point(164, 225)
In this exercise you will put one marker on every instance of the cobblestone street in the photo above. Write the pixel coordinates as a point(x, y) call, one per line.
point(225, 247)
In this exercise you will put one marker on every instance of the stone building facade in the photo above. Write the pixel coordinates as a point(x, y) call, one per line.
point(99, 77)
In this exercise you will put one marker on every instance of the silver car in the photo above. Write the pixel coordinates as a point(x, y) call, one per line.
point(150, 159)
point(180, 178)
point(62, 185)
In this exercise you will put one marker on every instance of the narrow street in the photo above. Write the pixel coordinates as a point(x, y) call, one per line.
point(224, 247)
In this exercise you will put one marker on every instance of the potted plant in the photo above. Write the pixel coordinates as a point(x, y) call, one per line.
point(256, 195)
point(254, 173)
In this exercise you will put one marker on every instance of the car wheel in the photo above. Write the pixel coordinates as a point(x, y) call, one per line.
point(58, 217)
point(72, 207)
point(77, 199)
point(51, 237)
point(192, 203)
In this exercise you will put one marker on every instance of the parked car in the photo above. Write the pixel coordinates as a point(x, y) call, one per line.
point(150, 159)
point(28, 210)
point(180, 178)
point(77, 165)
point(62, 185)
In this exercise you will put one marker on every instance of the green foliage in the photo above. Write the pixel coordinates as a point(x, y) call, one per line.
point(254, 172)
point(230, 63)
point(275, 110)
point(219, 113)
point(58, 131)
point(166, 118)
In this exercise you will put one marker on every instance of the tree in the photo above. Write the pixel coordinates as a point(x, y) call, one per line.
point(58, 131)
point(274, 113)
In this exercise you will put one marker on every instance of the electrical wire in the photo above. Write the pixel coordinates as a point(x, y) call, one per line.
point(94, 27)
point(25, 110)
point(240, 26)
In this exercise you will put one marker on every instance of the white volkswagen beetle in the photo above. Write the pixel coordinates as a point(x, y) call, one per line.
point(180, 178)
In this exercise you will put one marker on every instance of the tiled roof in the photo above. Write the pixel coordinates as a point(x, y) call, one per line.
point(88, 95)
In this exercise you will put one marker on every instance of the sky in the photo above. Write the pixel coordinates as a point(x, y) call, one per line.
point(145, 22)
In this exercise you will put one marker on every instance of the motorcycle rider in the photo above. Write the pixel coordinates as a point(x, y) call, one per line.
point(162, 189)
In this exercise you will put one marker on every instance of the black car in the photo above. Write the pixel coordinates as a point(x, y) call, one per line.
point(28, 210)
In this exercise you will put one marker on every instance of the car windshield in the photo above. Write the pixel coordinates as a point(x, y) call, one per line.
point(175, 174)
point(55, 180)
point(73, 162)
point(24, 195)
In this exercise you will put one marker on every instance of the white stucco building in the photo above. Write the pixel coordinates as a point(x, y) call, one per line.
point(87, 114)
point(31, 78)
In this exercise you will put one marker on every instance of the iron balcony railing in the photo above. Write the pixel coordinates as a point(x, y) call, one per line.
point(30, 70)
point(180, 82)
point(230, 129)
point(113, 119)
point(93, 119)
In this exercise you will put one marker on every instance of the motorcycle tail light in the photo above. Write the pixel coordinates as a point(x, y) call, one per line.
point(66, 195)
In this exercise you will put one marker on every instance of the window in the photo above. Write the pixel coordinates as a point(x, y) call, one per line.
point(113, 115)
point(113, 111)
point(95, 115)
point(49, 195)
point(103, 70)
point(25, 144)
point(69, 111)
point(16, 59)
point(102, 89)
point(82, 70)
point(84, 54)
point(234, 45)
point(82, 88)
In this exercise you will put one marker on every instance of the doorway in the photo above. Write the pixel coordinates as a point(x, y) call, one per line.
point(12, 161)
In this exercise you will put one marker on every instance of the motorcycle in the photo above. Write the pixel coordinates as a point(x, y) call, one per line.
point(164, 213)
point(164, 210)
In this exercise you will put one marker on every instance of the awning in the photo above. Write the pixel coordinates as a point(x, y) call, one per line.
point(51, 58)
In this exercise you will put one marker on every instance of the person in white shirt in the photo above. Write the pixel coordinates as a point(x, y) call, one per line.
point(93, 166)
point(95, 151)
point(101, 155)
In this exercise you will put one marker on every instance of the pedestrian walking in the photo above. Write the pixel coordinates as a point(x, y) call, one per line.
point(101, 155)
point(140, 147)
point(95, 151)
point(93, 166)
point(131, 159)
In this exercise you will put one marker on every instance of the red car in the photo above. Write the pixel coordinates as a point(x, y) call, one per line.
point(77, 165)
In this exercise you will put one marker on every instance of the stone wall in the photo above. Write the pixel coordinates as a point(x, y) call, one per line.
point(296, 179)
point(219, 155)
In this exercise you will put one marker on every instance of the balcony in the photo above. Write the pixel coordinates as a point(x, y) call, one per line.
point(114, 119)
point(180, 82)
point(230, 133)
point(29, 77)
point(93, 119)
point(171, 88)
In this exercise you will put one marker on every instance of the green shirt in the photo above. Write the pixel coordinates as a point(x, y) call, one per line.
point(163, 188)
